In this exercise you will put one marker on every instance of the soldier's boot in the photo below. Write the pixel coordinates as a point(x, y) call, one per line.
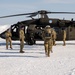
point(64, 43)
point(48, 53)
point(54, 43)
point(6, 47)
point(21, 51)
point(11, 47)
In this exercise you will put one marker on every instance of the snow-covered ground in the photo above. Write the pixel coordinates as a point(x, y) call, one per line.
point(34, 61)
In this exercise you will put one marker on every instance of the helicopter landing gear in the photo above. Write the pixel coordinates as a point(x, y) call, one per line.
point(31, 42)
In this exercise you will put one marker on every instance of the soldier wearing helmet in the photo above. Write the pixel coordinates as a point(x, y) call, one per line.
point(8, 38)
point(47, 37)
point(22, 37)
point(64, 36)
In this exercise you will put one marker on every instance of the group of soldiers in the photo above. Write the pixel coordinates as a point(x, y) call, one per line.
point(9, 40)
point(48, 35)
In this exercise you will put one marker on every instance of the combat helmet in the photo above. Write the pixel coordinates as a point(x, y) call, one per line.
point(48, 26)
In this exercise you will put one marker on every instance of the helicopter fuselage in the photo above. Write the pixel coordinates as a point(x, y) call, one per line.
point(33, 28)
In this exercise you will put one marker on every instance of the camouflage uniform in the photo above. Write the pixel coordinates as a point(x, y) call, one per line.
point(22, 37)
point(64, 37)
point(54, 36)
point(8, 39)
point(47, 37)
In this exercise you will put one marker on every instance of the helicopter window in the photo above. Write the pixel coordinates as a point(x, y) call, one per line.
point(50, 21)
point(40, 27)
point(14, 30)
point(42, 16)
point(26, 29)
point(13, 27)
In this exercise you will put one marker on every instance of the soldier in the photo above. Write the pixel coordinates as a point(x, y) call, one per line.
point(8, 38)
point(64, 37)
point(47, 37)
point(54, 37)
point(22, 37)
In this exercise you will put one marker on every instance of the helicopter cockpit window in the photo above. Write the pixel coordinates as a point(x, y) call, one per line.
point(14, 30)
point(50, 21)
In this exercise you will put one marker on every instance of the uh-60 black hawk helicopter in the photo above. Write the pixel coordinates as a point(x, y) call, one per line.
point(33, 27)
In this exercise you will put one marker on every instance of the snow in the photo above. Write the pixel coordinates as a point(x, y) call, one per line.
point(3, 28)
point(34, 61)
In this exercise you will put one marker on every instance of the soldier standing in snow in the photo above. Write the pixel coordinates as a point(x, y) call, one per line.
point(64, 37)
point(22, 37)
point(47, 37)
point(8, 38)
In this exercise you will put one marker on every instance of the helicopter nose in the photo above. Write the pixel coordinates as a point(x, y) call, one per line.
point(0, 35)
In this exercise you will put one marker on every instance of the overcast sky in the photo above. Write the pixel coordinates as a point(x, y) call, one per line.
point(10, 7)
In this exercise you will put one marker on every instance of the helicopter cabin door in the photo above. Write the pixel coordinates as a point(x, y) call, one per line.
point(59, 33)
point(71, 33)
point(15, 32)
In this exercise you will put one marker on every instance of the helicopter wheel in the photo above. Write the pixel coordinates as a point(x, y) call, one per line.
point(31, 42)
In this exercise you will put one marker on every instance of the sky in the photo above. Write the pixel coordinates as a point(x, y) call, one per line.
point(11, 7)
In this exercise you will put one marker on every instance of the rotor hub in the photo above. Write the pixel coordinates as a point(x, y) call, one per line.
point(42, 12)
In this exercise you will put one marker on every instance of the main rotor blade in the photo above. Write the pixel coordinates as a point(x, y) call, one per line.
point(16, 15)
point(39, 12)
point(60, 12)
